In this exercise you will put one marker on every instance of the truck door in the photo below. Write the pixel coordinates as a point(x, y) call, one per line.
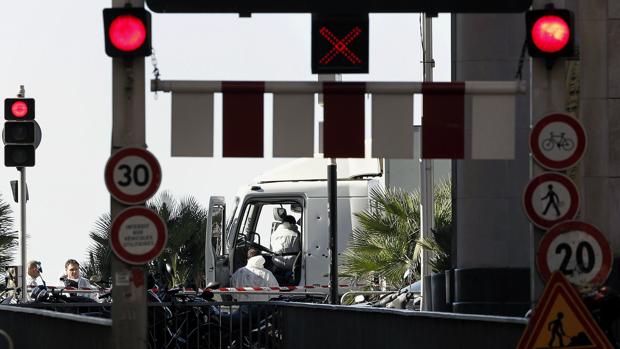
point(215, 243)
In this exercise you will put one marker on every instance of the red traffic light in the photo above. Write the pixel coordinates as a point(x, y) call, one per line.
point(550, 33)
point(127, 32)
point(19, 109)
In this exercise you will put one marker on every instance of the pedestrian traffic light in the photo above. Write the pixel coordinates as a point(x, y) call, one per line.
point(550, 33)
point(127, 32)
point(19, 132)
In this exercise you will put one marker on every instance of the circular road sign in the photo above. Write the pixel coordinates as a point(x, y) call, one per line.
point(557, 141)
point(138, 235)
point(132, 175)
point(549, 199)
point(577, 249)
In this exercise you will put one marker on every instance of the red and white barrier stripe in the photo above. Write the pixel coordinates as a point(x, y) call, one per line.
point(215, 290)
point(276, 289)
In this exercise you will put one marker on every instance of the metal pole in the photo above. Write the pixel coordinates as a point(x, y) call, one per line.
point(426, 167)
point(22, 236)
point(332, 199)
point(547, 94)
point(129, 314)
point(22, 204)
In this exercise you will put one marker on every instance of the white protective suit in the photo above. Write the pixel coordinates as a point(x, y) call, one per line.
point(285, 239)
point(33, 282)
point(253, 275)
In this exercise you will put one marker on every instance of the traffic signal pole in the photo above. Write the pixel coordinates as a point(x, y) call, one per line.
point(426, 167)
point(548, 94)
point(22, 236)
point(22, 205)
point(129, 319)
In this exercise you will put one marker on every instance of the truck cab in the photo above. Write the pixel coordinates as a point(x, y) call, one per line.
point(297, 190)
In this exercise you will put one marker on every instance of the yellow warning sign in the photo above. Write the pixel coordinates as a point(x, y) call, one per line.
point(561, 320)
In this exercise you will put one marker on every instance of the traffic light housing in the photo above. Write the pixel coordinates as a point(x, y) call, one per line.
point(127, 32)
point(19, 132)
point(550, 33)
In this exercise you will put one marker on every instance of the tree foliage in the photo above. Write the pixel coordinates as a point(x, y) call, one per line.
point(387, 243)
point(8, 235)
point(184, 251)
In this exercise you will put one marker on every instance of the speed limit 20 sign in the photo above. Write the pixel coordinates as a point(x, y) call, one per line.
point(132, 175)
point(577, 249)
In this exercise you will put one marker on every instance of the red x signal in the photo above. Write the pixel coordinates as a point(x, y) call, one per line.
point(340, 46)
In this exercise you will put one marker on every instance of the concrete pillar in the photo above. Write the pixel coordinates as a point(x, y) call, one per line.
point(598, 25)
point(492, 233)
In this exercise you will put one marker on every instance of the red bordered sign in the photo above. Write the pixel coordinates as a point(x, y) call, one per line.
point(558, 141)
point(549, 199)
point(579, 250)
point(132, 175)
point(138, 235)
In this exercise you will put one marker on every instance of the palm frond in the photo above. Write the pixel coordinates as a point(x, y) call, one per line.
point(387, 241)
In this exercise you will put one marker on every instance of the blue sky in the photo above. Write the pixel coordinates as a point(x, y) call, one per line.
point(55, 49)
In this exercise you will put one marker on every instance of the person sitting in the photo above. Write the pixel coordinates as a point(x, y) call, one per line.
point(253, 274)
point(285, 243)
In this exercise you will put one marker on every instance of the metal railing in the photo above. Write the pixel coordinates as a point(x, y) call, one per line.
point(198, 323)
point(213, 325)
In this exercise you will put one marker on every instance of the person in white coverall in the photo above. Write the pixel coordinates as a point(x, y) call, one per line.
point(253, 274)
point(285, 243)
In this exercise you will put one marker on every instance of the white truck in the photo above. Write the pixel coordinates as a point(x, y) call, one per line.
point(299, 189)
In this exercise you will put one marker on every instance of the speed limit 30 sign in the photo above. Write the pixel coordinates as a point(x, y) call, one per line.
point(577, 249)
point(132, 175)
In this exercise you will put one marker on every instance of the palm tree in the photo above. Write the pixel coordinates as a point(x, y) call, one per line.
point(8, 236)
point(99, 253)
point(184, 251)
point(387, 242)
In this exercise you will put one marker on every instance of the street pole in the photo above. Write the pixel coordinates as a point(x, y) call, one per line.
point(426, 166)
point(22, 236)
point(548, 94)
point(129, 319)
point(332, 199)
point(332, 208)
point(22, 205)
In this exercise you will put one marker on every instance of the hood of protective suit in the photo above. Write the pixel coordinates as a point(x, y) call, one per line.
point(253, 275)
point(256, 262)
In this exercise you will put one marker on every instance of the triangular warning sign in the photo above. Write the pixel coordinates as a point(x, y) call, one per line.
point(561, 320)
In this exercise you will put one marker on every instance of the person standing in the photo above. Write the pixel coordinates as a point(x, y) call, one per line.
point(34, 274)
point(72, 273)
